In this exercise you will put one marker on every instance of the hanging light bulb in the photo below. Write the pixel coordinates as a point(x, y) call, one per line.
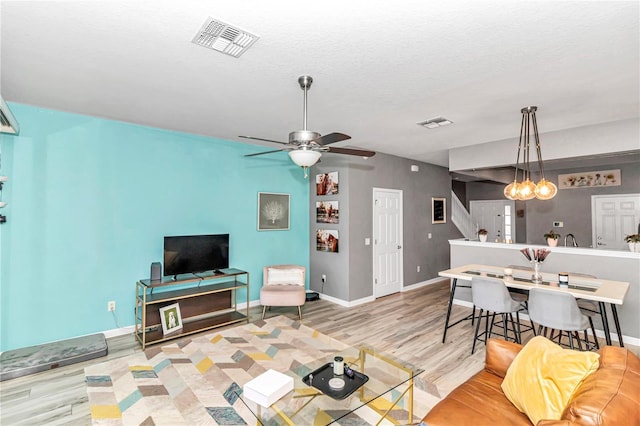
point(546, 190)
point(527, 189)
point(511, 190)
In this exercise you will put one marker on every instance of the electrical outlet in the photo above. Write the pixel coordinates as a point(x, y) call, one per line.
point(418, 268)
point(324, 278)
point(111, 306)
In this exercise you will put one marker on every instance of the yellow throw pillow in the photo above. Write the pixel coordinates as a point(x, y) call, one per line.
point(543, 376)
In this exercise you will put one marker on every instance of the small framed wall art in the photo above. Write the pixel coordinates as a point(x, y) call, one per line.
point(327, 212)
point(327, 240)
point(170, 318)
point(327, 183)
point(273, 211)
point(438, 210)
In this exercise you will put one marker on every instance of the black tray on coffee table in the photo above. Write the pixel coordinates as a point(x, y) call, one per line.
point(321, 378)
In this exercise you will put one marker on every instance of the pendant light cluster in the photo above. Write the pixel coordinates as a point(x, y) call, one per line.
point(526, 189)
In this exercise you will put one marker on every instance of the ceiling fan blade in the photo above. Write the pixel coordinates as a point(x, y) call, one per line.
point(265, 152)
point(331, 138)
point(262, 139)
point(350, 151)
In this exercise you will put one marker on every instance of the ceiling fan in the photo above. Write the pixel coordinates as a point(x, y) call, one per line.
point(306, 147)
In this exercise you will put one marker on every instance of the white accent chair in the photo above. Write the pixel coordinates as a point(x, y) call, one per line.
point(283, 285)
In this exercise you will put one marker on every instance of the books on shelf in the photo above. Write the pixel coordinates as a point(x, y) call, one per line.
point(268, 387)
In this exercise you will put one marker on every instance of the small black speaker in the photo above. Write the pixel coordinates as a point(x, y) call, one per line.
point(156, 271)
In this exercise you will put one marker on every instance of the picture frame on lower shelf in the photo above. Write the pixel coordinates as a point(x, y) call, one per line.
point(170, 318)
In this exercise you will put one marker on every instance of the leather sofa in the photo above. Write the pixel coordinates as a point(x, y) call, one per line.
point(609, 396)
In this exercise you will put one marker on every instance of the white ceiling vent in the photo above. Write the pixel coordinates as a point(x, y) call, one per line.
point(434, 123)
point(224, 38)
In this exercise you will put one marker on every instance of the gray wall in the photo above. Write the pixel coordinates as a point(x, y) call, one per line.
point(571, 206)
point(350, 272)
point(334, 265)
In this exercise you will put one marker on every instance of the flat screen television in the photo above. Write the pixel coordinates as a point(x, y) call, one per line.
point(195, 253)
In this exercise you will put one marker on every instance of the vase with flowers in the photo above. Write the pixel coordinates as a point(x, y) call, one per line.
point(482, 235)
point(634, 242)
point(535, 257)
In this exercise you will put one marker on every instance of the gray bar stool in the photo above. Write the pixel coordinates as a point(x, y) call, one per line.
point(558, 311)
point(492, 296)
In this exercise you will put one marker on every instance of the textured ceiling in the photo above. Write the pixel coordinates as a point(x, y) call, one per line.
point(379, 67)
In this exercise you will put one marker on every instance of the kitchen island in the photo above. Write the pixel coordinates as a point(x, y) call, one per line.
point(606, 264)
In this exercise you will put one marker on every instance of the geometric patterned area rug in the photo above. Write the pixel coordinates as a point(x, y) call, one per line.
point(194, 381)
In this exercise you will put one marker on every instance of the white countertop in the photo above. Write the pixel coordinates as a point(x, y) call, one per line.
point(585, 251)
point(607, 290)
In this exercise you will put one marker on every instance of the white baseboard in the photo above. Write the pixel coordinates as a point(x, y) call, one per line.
point(130, 329)
point(421, 284)
point(600, 333)
point(345, 303)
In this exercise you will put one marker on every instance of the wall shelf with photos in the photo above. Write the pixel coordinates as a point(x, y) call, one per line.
point(205, 301)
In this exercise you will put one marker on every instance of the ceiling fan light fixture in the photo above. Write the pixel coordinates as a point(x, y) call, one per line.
point(304, 157)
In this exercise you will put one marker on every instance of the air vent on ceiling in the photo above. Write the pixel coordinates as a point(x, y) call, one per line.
point(224, 38)
point(8, 123)
point(433, 123)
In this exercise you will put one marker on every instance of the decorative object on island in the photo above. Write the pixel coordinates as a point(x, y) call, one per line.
point(438, 210)
point(482, 235)
point(526, 189)
point(273, 211)
point(634, 242)
point(170, 318)
point(535, 257)
point(552, 238)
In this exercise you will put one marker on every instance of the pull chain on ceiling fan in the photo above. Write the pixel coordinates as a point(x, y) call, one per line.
point(306, 147)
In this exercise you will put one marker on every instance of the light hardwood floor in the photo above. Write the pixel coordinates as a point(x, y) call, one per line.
point(408, 325)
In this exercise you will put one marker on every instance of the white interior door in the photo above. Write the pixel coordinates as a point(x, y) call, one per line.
point(613, 217)
point(496, 216)
point(387, 241)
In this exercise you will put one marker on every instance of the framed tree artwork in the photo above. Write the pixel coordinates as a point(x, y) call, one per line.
point(273, 211)
point(438, 210)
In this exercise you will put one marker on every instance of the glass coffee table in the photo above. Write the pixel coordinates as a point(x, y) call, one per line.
point(386, 397)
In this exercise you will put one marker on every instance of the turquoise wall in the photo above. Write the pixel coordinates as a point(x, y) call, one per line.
point(90, 201)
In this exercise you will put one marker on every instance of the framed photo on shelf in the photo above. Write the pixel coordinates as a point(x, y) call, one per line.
point(170, 318)
point(273, 211)
point(438, 210)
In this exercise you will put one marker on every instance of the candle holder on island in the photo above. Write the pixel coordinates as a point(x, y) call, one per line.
point(535, 257)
